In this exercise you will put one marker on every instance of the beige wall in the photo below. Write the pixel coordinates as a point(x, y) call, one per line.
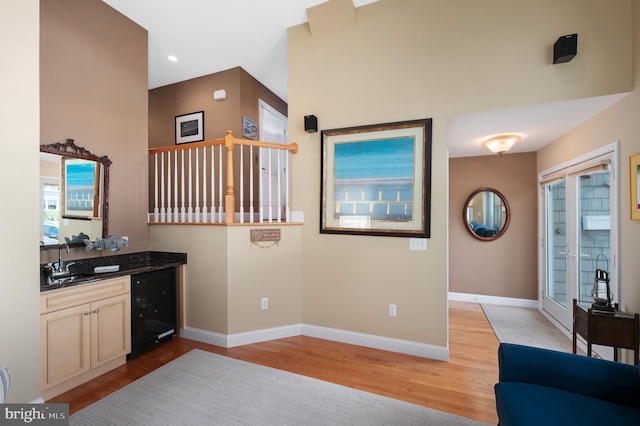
point(390, 61)
point(95, 91)
point(505, 267)
point(20, 139)
point(227, 276)
point(618, 123)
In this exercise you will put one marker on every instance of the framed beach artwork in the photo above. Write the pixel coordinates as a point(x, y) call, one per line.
point(634, 175)
point(249, 128)
point(80, 188)
point(376, 180)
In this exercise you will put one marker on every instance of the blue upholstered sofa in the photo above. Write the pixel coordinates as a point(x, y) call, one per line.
point(544, 387)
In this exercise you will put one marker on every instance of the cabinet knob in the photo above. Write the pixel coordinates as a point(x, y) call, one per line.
point(87, 313)
point(96, 310)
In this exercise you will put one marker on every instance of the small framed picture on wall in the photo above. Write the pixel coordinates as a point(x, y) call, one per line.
point(249, 128)
point(190, 127)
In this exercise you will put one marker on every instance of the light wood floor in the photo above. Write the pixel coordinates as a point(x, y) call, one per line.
point(462, 386)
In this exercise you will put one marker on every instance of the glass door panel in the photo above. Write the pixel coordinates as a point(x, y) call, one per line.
point(557, 238)
point(579, 234)
point(594, 206)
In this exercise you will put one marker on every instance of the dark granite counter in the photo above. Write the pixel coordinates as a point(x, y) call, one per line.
point(133, 263)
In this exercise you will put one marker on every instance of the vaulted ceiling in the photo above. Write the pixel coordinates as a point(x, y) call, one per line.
point(209, 36)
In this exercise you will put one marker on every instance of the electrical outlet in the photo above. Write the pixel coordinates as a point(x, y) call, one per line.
point(264, 303)
point(418, 244)
point(392, 310)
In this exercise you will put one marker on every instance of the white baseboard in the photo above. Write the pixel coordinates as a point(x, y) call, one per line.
point(493, 300)
point(239, 339)
point(424, 350)
point(265, 335)
point(204, 336)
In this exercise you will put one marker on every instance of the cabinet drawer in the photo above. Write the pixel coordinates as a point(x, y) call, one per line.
point(63, 298)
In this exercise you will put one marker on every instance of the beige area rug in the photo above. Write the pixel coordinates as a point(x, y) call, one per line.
point(201, 388)
point(525, 326)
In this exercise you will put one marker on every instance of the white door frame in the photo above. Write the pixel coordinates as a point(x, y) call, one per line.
point(269, 190)
point(611, 151)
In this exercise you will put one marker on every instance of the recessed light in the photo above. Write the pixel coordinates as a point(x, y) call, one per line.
point(172, 58)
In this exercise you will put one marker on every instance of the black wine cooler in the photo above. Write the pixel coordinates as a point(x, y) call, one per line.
point(153, 309)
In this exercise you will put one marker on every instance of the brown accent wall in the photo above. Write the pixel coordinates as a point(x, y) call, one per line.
point(94, 89)
point(243, 93)
point(506, 267)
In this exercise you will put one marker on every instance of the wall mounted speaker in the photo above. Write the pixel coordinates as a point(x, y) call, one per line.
point(310, 123)
point(565, 48)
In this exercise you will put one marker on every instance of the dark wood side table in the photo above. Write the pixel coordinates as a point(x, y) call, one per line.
point(618, 329)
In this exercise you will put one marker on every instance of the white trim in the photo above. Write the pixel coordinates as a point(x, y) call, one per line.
point(204, 336)
point(493, 300)
point(407, 347)
point(264, 335)
point(566, 168)
point(424, 350)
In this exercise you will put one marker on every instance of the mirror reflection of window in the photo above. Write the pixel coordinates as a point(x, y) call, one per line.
point(74, 187)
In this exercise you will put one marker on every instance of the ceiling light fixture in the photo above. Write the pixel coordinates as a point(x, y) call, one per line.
point(501, 144)
point(172, 58)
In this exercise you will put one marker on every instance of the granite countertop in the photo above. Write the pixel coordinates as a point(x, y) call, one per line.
point(133, 263)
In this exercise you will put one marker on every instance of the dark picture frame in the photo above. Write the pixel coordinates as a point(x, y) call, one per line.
point(189, 127)
point(376, 180)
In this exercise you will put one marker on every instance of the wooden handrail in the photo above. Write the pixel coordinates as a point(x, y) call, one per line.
point(293, 147)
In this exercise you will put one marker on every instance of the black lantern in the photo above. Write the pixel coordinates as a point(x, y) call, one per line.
point(601, 291)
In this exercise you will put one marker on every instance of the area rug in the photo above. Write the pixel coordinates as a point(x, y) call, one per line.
point(201, 388)
point(525, 326)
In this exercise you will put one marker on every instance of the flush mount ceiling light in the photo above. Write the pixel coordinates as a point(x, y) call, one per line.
point(501, 144)
point(172, 58)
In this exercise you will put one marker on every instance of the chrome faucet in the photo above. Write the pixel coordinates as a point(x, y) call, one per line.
point(60, 267)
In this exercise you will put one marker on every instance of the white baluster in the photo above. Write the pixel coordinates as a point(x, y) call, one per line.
point(270, 205)
point(197, 178)
point(190, 206)
point(261, 187)
point(162, 209)
point(204, 184)
point(155, 208)
point(168, 186)
point(176, 211)
point(278, 190)
point(241, 184)
point(213, 186)
point(287, 214)
point(183, 210)
point(220, 193)
point(251, 219)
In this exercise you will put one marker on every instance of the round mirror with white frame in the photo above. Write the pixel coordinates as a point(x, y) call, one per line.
point(486, 214)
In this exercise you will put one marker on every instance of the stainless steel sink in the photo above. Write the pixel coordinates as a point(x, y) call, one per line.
point(70, 278)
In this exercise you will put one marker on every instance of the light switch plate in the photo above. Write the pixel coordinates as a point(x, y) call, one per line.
point(418, 244)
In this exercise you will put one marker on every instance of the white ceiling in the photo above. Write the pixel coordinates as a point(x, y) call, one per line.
point(209, 36)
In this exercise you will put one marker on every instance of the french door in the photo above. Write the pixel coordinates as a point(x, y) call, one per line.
point(578, 231)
